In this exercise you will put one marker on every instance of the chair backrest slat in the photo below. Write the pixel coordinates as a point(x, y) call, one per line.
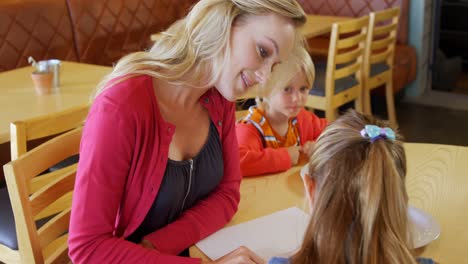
point(350, 42)
point(382, 43)
point(57, 252)
point(381, 57)
point(51, 192)
point(54, 228)
point(23, 131)
point(387, 14)
point(353, 25)
point(384, 29)
point(56, 207)
point(349, 56)
point(56, 123)
point(39, 182)
point(347, 71)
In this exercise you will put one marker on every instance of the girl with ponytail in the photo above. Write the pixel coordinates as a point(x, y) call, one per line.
point(159, 162)
point(358, 200)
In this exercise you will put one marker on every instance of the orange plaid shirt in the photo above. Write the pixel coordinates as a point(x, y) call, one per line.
point(271, 138)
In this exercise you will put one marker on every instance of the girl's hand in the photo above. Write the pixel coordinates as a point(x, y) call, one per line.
point(241, 255)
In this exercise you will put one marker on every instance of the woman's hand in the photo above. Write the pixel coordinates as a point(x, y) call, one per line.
point(241, 255)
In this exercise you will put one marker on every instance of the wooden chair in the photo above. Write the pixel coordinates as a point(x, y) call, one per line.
point(339, 81)
point(36, 198)
point(240, 114)
point(378, 58)
point(21, 133)
point(44, 126)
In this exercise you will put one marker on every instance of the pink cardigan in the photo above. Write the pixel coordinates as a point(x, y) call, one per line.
point(123, 156)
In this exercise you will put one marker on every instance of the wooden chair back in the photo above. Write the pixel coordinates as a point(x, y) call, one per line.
point(34, 198)
point(25, 130)
point(379, 57)
point(345, 59)
point(243, 101)
point(381, 38)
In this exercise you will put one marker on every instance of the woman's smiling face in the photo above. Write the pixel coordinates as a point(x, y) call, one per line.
point(257, 44)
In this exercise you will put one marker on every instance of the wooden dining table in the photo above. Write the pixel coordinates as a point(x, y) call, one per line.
point(19, 101)
point(437, 182)
point(315, 26)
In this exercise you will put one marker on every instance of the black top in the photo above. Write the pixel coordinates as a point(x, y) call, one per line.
point(183, 185)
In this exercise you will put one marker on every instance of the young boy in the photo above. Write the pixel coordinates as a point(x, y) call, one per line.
point(278, 132)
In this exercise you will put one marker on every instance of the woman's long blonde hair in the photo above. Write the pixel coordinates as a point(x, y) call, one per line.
point(360, 202)
point(193, 50)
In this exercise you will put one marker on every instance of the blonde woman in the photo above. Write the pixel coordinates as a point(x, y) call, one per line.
point(159, 161)
point(357, 196)
point(278, 130)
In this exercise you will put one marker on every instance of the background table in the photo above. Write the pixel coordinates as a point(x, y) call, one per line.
point(315, 26)
point(318, 25)
point(18, 99)
point(437, 182)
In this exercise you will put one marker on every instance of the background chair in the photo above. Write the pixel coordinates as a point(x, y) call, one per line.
point(34, 199)
point(339, 81)
point(44, 126)
point(22, 132)
point(246, 100)
point(378, 58)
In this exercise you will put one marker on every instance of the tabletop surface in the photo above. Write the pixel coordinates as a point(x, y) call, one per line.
point(19, 101)
point(437, 182)
point(318, 25)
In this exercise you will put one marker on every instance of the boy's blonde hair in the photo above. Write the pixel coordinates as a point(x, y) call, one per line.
point(193, 50)
point(360, 204)
point(283, 73)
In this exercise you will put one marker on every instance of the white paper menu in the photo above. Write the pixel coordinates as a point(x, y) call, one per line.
point(277, 234)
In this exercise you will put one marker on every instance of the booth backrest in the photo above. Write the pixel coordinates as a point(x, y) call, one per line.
point(90, 31)
point(105, 30)
point(38, 28)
